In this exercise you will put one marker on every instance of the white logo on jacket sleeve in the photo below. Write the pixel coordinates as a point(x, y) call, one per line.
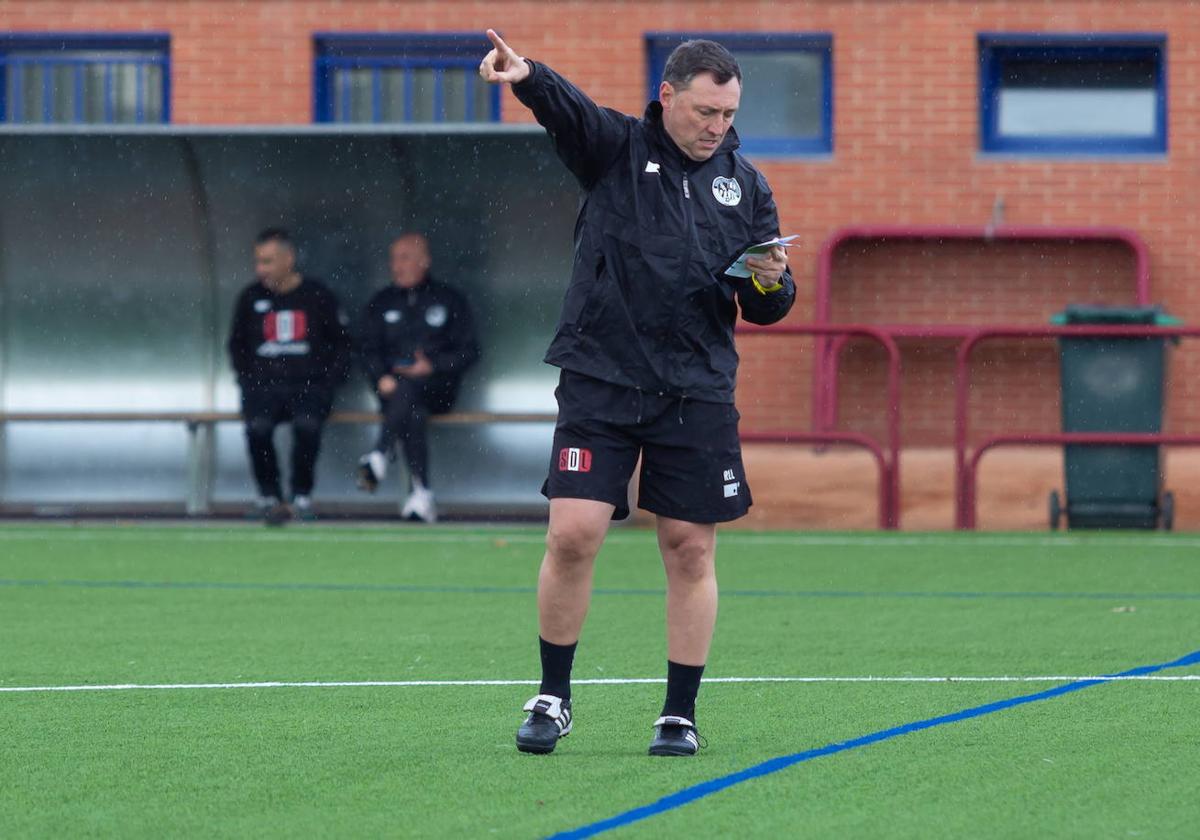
point(436, 315)
point(727, 191)
point(392, 316)
point(261, 306)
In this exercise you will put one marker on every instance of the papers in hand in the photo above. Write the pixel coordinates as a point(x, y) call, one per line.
point(739, 269)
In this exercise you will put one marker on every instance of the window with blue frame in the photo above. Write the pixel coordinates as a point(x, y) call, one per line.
point(84, 78)
point(787, 87)
point(1073, 94)
point(403, 78)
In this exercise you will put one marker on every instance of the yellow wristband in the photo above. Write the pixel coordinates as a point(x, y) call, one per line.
point(762, 290)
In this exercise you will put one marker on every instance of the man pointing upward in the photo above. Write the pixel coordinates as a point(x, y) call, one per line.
point(646, 352)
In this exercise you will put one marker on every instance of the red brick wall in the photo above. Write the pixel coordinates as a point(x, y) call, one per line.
point(906, 152)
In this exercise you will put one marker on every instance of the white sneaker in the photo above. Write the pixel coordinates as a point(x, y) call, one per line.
point(419, 506)
point(302, 506)
point(372, 468)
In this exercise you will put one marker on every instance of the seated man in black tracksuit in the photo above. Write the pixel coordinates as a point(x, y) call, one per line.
point(290, 350)
point(417, 339)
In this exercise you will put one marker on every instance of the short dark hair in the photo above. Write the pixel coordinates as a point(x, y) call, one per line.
point(691, 58)
point(275, 234)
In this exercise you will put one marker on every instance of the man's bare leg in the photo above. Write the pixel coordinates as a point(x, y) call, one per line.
point(689, 557)
point(577, 529)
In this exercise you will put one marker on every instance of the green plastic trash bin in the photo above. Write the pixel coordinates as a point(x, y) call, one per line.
point(1112, 385)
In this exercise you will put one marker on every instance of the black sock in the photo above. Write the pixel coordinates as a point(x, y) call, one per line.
point(556, 668)
point(683, 684)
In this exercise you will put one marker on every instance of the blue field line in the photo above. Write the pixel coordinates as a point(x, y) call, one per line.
point(699, 791)
point(442, 589)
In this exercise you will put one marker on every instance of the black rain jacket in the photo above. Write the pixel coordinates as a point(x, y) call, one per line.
point(431, 317)
point(649, 306)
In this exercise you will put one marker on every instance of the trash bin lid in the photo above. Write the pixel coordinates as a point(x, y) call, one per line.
point(1085, 314)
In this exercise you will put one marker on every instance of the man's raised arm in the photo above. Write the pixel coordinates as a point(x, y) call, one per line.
point(587, 137)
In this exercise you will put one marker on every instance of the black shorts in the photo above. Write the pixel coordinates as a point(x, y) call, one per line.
point(691, 456)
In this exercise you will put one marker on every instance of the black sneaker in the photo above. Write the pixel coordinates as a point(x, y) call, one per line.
point(259, 510)
point(549, 719)
point(674, 735)
point(278, 514)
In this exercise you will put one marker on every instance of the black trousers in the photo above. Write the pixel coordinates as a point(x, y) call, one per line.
point(306, 407)
point(406, 413)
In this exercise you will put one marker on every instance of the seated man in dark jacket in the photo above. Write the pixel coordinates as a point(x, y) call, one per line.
point(290, 350)
point(645, 344)
point(417, 339)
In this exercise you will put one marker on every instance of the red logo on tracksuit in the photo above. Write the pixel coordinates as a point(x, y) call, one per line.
point(574, 459)
point(286, 325)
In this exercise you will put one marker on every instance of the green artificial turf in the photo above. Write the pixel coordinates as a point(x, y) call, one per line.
point(159, 605)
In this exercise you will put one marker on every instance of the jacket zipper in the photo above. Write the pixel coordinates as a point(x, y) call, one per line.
point(689, 223)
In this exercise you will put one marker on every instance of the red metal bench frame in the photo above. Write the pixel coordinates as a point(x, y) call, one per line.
point(966, 467)
point(886, 456)
point(825, 368)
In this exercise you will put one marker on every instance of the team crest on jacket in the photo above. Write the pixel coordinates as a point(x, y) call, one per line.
point(435, 316)
point(727, 191)
point(392, 316)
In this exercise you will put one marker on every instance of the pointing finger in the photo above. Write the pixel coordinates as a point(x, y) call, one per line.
point(498, 42)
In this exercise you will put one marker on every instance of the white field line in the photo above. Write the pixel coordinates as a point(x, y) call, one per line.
point(500, 537)
point(26, 689)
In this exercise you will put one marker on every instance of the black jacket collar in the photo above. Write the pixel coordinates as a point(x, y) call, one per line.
point(421, 288)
